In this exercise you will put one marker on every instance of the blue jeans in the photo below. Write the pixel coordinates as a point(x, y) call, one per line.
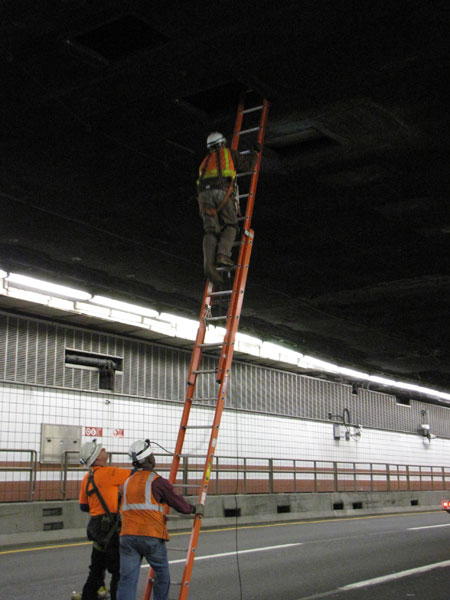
point(132, 549)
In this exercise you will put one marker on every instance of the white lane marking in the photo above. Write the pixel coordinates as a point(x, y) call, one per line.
point(377, 580)
point(427, 527)
point(222, 554)
point(399, 575)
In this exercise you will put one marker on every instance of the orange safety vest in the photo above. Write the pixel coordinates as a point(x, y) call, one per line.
point(141, 513)
point(210, 167)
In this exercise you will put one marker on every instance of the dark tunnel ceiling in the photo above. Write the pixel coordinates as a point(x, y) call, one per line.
point(105, 110)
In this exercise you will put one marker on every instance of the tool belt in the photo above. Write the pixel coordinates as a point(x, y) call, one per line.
point(212, 211)
point(101, 529)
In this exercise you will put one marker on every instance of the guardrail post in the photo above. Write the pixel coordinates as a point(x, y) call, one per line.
point(271, 475)
point(185, 468)
point(335, 477)
point(245, 476)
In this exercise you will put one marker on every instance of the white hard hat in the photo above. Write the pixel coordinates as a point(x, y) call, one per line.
point(215, 139)
point(139, 451)
point(89, 453)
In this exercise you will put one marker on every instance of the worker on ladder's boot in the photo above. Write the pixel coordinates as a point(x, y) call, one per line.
point(218, 202)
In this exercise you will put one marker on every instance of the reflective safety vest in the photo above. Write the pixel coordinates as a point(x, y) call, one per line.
point(216, 164)
point(141, 513)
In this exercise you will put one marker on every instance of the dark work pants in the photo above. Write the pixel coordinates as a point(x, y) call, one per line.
point(101, 561)
point(224, 225)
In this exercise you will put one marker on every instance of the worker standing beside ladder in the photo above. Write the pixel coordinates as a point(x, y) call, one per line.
point(218, 202)
point(144, 531)
point(99, 495)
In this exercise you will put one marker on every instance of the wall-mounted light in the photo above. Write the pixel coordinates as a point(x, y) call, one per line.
point(343, 422)
point(424, 427)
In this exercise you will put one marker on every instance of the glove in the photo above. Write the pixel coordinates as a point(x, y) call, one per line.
point(199, 509)
point(257, 147)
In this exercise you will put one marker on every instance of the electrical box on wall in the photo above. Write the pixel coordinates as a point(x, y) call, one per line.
point(57, 439)
point(336, 431)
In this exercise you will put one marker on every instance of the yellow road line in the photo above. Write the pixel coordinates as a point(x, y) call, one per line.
point(233, 528)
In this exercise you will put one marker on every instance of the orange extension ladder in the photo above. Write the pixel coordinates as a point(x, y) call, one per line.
point(232, 317)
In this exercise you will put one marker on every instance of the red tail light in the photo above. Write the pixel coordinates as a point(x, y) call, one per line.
point(445, 504)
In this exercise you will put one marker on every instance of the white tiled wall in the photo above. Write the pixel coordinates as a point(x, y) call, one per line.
point(24, 408)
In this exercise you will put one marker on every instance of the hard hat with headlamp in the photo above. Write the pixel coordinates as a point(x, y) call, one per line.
point(89, 453)
point(140, 452)
point(215, 139)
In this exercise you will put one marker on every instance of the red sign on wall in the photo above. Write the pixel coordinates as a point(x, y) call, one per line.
point(119, 433)
point(93, 431)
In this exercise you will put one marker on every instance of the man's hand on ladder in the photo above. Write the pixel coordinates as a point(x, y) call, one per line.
point(199, 509)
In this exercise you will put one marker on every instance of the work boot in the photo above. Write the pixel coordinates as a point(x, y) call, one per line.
point(209, 259)
point(224, 261)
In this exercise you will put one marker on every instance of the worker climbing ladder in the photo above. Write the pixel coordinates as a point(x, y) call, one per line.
point(235, 295)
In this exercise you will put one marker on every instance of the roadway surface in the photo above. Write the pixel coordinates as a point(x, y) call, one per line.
point(387, 557)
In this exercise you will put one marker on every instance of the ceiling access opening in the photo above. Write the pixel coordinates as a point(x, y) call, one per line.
point(308, 139)
point(120, 38)
point(221, 98)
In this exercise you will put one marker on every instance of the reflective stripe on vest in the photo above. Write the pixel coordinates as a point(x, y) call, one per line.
point(148, 504)
point(212, 170)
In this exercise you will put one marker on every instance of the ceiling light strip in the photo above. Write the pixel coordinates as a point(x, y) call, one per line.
point(76, 301)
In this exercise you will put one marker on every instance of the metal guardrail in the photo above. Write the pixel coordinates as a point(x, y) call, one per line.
point(29, 468)
point(245, 475)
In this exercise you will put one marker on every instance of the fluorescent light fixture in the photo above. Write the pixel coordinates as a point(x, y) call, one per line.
point(290, 356)
point(20, 294)
point(3, 274)
point(124, 306)
point(184, 328)
point(270, 350)
point(61, 304)
point(352, 373)
point(95, 311)
point(248, 344)
point(248, 339)
point(119, 315)
point(53, 289)
point(309, 362)
point(214, 334)
point(160, 327)
point(381, 380)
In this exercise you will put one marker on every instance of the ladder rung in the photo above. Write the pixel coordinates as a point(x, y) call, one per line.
point(227, 269)
point(197, 426)
point(254, 109)
point(205, 371)
point(243, 195)
point(244, 131)
point(204, 399)
point(224, 293)
point(211, 345)
point(189, 516)
point(242, 219)
point(244, 174)
point(216, 318)
point(178, 549)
